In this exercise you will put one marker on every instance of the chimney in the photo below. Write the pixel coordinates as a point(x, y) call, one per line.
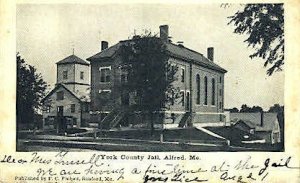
point(164, 32)
point(210, 53)
point(262, 118)
point(104, 45)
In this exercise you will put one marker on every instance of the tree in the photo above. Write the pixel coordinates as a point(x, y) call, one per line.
point(264, 25)
point(245, 108)
point(233, 110)
point(256, 109)
point(150, 75)
point(30, 91)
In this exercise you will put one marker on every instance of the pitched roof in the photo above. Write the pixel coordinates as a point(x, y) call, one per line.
point(82, 97)
point(72, 59)
point(270, 121)
point(172, 49)
point(247, 123)
point(188, 54)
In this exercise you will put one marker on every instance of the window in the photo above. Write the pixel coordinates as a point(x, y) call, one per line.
point(124, 75)
point(198, 89)
point(81, 75)
point(220, 105)
point(182, 74)
point(104, 91)
point(205, 90)
point(220, 80)
point(104, 95)
point(48, 109)
point(220, 92)
point(72, 108)
point(182, 98)
point(105, 73)
point(172, 97)
point(60, 95)
point(213, 88)
point(65, 74)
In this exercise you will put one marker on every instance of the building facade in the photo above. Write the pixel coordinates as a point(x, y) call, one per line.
point(68, 103)
point(200, 81)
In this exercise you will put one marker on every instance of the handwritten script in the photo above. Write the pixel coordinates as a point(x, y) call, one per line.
point(152, 168)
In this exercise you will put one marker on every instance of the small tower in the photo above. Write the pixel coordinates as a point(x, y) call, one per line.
point(73, 72)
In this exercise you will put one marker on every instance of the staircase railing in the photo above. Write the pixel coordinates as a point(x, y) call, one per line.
point(105, 122)
point(183, 121)
point(117, 119)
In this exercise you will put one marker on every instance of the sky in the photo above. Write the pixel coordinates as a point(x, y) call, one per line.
point(47, 33)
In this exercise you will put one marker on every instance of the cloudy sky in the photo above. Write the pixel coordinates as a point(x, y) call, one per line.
point(48, 33)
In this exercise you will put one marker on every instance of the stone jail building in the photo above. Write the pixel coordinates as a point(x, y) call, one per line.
point(200, 79)
point(70, 98)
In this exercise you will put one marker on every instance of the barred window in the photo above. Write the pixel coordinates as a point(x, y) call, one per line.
point(182, 74)
point(182, 98)
point(198, 89)
point(205, 90)
point(213, 87)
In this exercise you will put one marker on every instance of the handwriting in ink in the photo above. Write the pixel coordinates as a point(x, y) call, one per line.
point(10, 159)
point(49, 172)
point(285, 164)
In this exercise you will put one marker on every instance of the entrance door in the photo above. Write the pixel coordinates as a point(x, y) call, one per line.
point(187, 107)
point(61, 124)
point(125, 98)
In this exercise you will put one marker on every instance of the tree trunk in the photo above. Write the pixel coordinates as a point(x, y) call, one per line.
point(152, 123)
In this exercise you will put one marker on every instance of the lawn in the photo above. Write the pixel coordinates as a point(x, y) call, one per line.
point(183, 135)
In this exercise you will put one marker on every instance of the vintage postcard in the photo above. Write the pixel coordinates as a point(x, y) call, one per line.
point(162, 91)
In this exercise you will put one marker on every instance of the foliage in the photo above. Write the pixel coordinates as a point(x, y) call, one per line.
point(30, 91)
point(150, 75)
point(233, 110)
point(246, 108)
point(264, 25)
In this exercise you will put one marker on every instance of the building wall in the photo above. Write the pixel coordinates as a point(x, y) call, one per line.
point(74, 76)
point(203, 113)
point(66, 103)
point(65, 67)
point(96, 103)
point(86, 70)
point(186, 87)
point(80, 88)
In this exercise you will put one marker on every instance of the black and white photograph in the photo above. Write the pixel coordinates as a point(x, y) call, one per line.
point(161, 91)
point(150, 77)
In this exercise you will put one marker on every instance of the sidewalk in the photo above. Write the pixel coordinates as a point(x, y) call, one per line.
point(133, 140)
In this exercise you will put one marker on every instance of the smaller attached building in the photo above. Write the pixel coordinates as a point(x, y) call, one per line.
point(67, 105)
point(263, 125)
